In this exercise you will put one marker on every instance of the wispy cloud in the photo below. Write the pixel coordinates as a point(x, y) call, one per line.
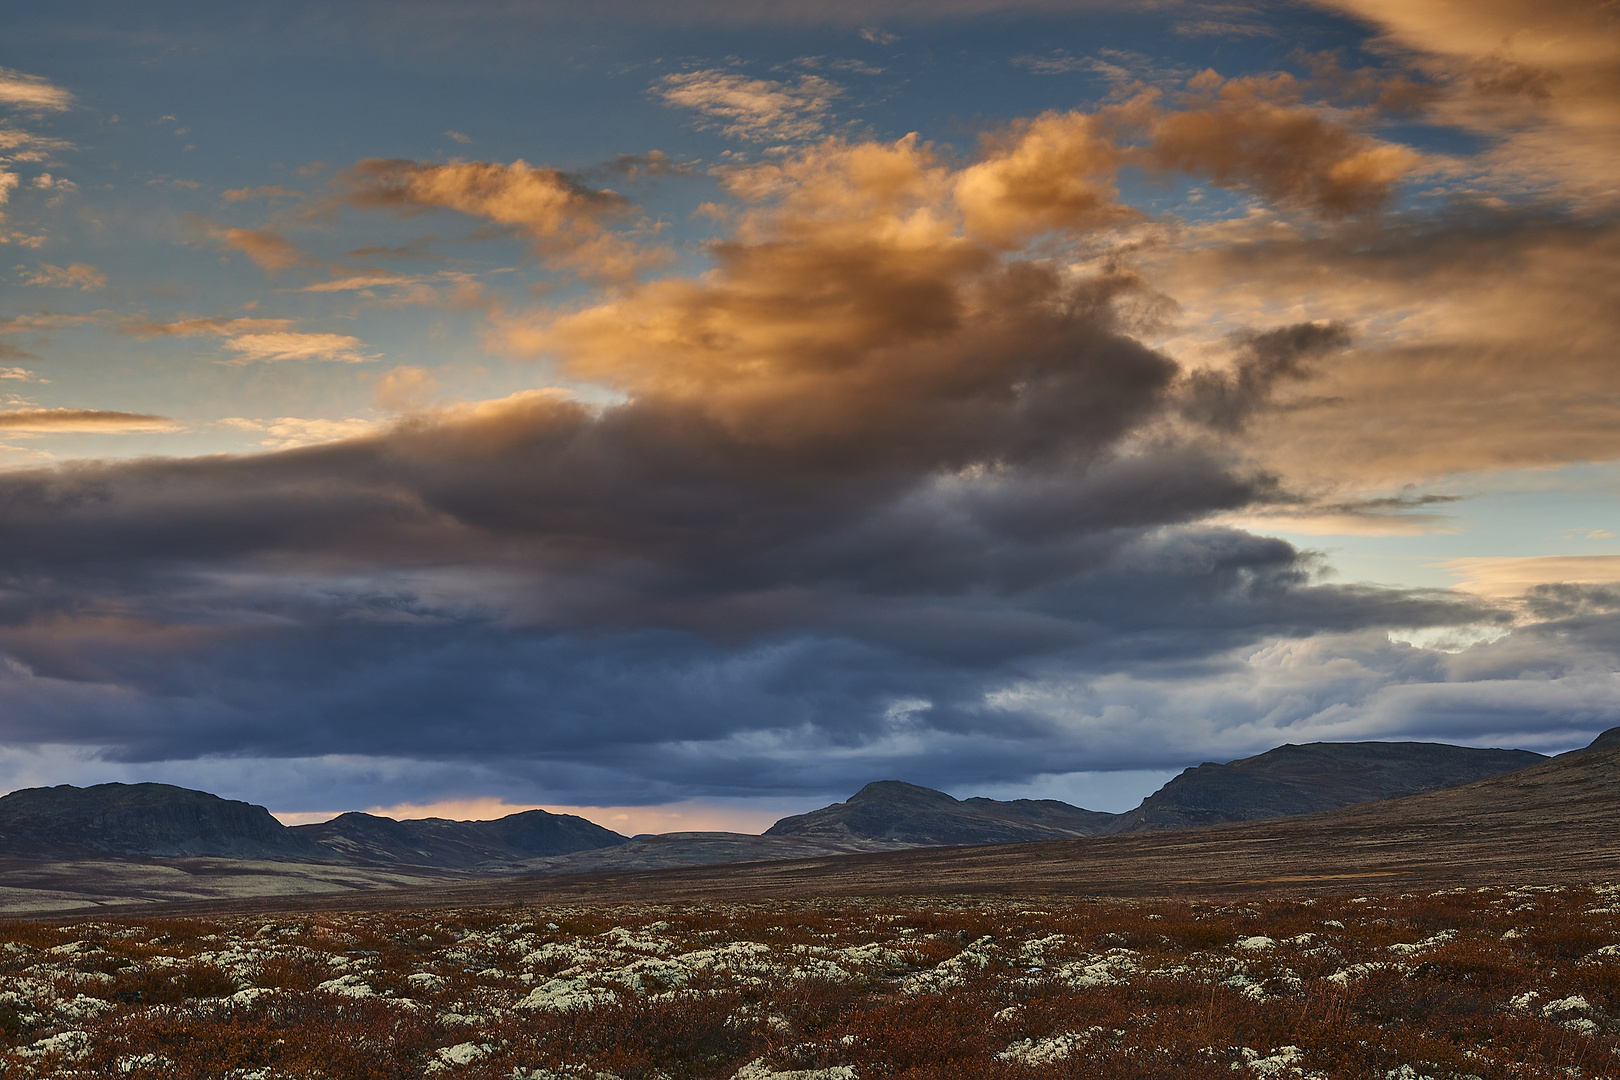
point(66, 421)
point(1509, 576)
point(1222, 28)
point(756, 110)
point(359, 284)
point(286, 432)
point(32, 93)
point(262, 340)
point(266, 191)
point(269, 348)
point(81, 276)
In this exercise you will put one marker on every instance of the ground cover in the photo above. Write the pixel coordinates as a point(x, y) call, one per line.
point(1491, 982)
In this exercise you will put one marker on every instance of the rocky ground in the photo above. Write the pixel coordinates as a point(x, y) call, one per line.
point(1503, 981)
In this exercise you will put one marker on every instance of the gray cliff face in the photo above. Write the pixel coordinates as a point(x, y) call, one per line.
point(144, 819)
point(458, 844)
point(905, 814)
point(1316, 776)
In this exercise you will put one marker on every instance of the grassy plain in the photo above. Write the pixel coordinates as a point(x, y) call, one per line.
point(1501, 981)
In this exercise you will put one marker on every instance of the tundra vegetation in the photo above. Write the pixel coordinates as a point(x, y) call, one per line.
point(1469, 982)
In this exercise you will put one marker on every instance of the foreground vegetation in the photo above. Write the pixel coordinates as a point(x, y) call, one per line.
point(1507, 982)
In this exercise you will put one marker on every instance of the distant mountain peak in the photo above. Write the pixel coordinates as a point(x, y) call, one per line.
point(901, 813)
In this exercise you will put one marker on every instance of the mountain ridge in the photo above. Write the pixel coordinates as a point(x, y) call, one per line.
point(163, 821)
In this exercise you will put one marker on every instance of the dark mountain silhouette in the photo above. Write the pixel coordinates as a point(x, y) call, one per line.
point(144, 819)
point(458, 844)
point(922, 817)
point(160, 820)
point(1315, 776)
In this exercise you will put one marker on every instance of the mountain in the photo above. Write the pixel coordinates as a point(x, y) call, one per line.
point(163, 821)
point(1549, 824)
point(905, 814)
point(458, 844)
point(1315, 776)
point(144, 819)
point(1278, 783)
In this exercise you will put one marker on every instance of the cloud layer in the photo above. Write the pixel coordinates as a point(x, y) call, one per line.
point(896, 458)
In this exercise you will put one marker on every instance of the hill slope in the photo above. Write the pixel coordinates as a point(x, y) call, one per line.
point(1304, 779)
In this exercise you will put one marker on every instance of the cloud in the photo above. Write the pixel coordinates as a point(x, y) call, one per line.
point(1509, 577)
point(405, 389)
point(1222, 28)
point(1455, 367)
point(267, 191)
point(1057, 63)
point(458, 137)
point(923, 475)
point(64, 421)
point(285, 432)
point(1226, 400)
point(31, 93)
point(266, 247)
point(262, 340)
point(882, 489)
point(1249, 134)
point(878, 36)
point(359, 284)
point(1541, 80)
point(563, 219)
point(269, 348)
point(81, 276)
point(755, 110)
point(1053, 172)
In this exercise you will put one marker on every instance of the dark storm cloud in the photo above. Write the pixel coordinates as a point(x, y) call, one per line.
point(869, 479)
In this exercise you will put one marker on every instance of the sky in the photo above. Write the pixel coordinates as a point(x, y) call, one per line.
point(684, 413)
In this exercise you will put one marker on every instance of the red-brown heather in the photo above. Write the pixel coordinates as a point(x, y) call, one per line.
point(1488, 982)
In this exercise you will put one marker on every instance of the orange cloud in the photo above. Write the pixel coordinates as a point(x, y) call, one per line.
point(268, 191)
point(262, 340)
point(81, 276)
point(269, 249)
point(1541, 78)
point(1053, 172)
point(1250, 134)
point(856, 307)
point(562, 218)
point(63, 421)
point(1456, 365)
point(757, 110)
